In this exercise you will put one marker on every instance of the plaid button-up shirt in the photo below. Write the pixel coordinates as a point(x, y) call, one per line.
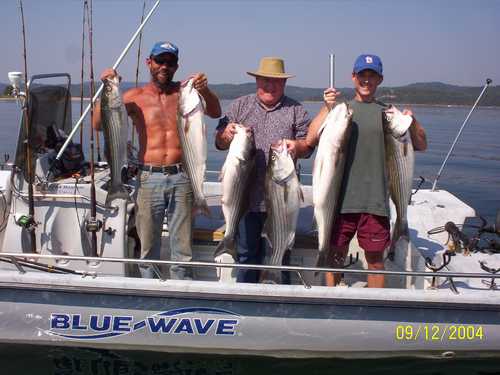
point(286, 120)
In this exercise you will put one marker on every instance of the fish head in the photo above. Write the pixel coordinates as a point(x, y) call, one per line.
point(243, 144)
point(280, 165)
point(111, 92)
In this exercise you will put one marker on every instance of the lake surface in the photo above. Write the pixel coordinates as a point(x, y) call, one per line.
point(472, 174)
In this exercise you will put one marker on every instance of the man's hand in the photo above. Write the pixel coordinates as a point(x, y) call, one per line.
point(417, 132)
point(291, 147)
point(225, 137)
point(330, 97)
point(408, 112)
point(108, 73)
point(200, 82)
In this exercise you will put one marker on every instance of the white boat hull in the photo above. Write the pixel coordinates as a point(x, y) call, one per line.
point(216, 318)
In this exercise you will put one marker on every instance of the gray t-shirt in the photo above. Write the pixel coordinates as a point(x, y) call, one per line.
point(364, 186)
point(286, 120)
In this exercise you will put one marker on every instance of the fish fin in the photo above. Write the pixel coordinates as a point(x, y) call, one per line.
point(226, 246)
point(291, 241)
point(264, 233)
point(117, 193)
point(222, 172)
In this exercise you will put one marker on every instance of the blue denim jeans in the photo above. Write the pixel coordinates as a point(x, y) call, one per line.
point(252, 248)
point(158, 193)
point(251, 245)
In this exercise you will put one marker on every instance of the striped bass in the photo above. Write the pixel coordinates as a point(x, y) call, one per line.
point(235, 176)
point(400, 161)
point(193, 137)
point(283, 199)
point(115, 127)
point(328, 172)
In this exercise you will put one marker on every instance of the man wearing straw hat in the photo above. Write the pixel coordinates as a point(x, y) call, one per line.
point(271, 116)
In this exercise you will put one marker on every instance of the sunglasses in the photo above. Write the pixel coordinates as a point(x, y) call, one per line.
point(164, 61)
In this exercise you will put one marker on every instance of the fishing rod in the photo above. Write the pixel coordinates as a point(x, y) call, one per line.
point(85, 10)
point(92, 225)
point(138, 63)
point(28, 222)
point(488, 82)
point(115, 66)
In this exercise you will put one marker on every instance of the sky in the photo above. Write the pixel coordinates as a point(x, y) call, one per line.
point(450, 41)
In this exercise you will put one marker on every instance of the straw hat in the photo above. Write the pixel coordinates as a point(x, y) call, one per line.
point(271, 67)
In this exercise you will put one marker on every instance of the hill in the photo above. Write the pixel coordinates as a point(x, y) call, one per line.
point(431, 93)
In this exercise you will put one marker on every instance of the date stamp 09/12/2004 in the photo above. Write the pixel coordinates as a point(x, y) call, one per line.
point(436, 332)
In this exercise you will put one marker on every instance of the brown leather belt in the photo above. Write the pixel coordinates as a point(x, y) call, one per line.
point(165, 169)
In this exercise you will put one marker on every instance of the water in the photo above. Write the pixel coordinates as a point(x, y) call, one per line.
point(472, 174)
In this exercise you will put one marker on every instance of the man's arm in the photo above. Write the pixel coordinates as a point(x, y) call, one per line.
point(200, 83)
point(417, 133)
point(224, 136)
point(330, 99)
point(297, 147)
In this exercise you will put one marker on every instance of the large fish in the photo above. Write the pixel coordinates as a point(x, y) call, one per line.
point(193, 136)
point(328, 171)
point(400, 160)
point(115, 127)
point(283, 199)
point(235, 180)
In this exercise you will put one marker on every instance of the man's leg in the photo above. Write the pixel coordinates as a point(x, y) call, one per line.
point(180, 225)
point(375, 261)
point(373, 237)
point(343, 231)
point(337, 259)
point(251, 245)
point(150, 211)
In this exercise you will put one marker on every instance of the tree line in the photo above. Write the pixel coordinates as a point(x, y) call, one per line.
point(431, 93)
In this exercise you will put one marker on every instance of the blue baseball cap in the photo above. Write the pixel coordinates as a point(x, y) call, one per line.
point(371, 62)
point(164, 47)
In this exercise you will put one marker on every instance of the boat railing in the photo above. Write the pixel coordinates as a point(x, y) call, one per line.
point(24, 260)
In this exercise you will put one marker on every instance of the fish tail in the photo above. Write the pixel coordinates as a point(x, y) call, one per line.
point(116, 193)
point(270, 277)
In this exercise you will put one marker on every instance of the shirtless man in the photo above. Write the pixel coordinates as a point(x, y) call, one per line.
point(163, 184)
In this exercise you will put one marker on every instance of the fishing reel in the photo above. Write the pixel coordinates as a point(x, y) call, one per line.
point(26, 222)
point(93, 225)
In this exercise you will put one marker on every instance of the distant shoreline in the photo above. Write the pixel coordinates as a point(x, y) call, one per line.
point(75, 98)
